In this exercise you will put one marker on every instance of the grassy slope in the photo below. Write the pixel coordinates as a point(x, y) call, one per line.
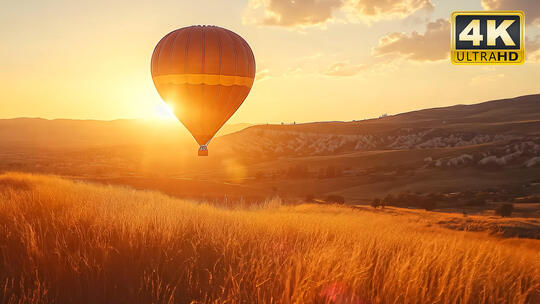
point(67, 241)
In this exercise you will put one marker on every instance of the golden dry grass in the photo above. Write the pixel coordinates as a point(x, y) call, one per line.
point(71, 242)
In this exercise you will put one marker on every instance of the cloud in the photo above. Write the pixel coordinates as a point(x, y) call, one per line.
point(291, 13)
point(433, 45)
point(384, 9)
point(530, 7)
point(294, 71)
point(262, 75)
point(303, 13)
point(343, 68)
point(533, 44)
point(532, 48)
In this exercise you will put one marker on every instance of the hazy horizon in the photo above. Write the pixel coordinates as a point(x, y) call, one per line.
point(316, 60)
point(172, 119)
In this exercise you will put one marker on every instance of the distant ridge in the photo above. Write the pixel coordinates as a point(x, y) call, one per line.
point(522, 108)
point(500, 120)
point(519, 115)
point(74, 133)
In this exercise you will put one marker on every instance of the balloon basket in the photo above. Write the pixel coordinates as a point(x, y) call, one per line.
point(203, 150)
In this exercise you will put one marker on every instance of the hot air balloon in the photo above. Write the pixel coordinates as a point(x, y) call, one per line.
point(204, 73)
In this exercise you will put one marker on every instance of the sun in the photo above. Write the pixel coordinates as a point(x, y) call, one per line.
point(164, 111)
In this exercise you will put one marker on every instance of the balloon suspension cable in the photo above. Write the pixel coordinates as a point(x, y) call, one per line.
point(203, 150)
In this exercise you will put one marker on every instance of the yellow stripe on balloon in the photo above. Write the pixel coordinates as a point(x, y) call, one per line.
point(210, 79)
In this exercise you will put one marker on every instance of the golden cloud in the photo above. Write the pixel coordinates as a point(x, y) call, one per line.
point(343, 69)
point(303, 13)
point(530, 7)
point(386, 9)
point(433, 45)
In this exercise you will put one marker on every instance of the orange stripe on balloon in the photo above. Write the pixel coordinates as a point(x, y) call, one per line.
point(209, 79)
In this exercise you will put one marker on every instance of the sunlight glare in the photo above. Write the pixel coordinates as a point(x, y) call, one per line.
point(236, 171)
point(164, 111)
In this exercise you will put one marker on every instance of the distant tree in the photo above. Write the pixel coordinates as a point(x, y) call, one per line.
point(335, 199)
point(388, 200)
point(407, 199)
point(376, 202)
point(505, 210)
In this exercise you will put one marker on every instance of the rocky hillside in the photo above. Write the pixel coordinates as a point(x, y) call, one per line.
point(504, 131)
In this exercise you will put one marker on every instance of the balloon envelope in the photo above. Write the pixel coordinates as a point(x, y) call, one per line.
point(204, 73)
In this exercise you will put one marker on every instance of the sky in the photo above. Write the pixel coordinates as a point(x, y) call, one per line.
point(317, 60)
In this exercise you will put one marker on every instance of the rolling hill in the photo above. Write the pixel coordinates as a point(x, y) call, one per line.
point(490, 147)
point(460, 125)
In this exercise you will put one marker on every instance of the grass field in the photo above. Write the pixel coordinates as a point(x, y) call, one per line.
point(72, 242)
